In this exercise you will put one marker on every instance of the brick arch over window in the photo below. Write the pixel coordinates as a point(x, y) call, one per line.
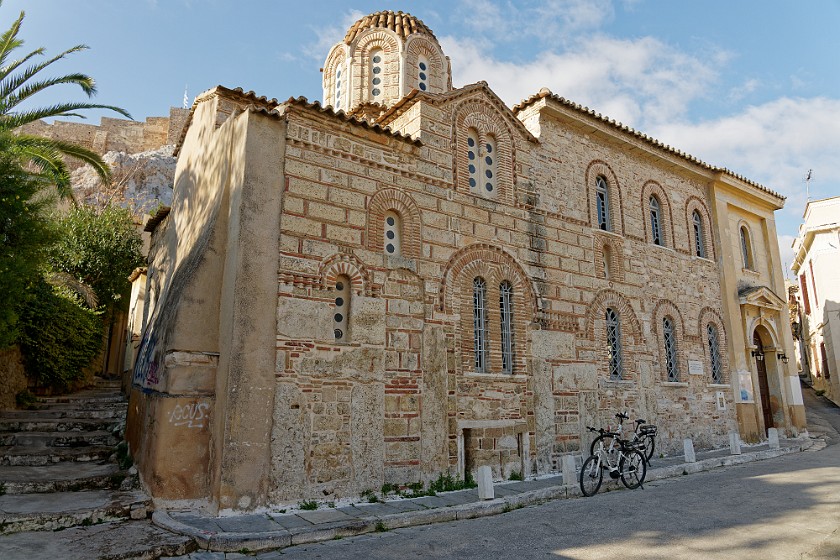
point(402, 203)
point(665, 308)
point(630, 326)
point(598, 168)
point(710, 316)
point(694, 203)
point(485, 119)
point(438, 70)
point(489, 256)
point(602, 245)
point(345, 265)
point(336, 59)
point(367, 42)
point(666, 222)
point(494, 267)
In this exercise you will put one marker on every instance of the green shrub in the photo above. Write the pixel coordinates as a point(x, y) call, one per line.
point(25, 399)
point(59, 336)
point(308, 505)
point(515, 475)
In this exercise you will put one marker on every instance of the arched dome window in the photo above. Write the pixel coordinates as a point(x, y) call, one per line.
point(377, 57)
point(423, 73)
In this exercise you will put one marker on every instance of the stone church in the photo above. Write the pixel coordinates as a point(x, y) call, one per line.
point(411, 279)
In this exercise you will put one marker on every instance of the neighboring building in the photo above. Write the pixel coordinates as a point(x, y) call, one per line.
point(817, 268)
point(415, 279)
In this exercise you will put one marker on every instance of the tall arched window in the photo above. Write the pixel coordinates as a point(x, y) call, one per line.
point(655, 222)
point(480, 323)
point(473, 163)
point(489, 165)
point(423, 73)
point(714, 353)
point(506, 312)
point(342, 307)
point(393, 233)
point(338, 83)
point(746, 248)
point(602, 204)
point(699, 248)
point(670, 340)
point(376, 66)
point(614, 344)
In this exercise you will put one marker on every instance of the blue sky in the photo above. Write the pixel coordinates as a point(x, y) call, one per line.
point(752, 85)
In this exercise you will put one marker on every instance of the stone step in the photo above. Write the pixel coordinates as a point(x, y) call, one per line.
point(58, 439)
point(59, 510)
point(61, 477)
point(35, 457)
point(65, 411)
point(60, 425)
point(84, 398)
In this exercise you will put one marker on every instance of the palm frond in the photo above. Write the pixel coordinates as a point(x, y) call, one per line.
point(6, 70)
point(50, 165)
point(14, 90)
point(87, 156)
point(73, 284)
point(9, 40)
point(13, 121)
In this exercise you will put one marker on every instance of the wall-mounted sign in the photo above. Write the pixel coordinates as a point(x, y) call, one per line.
point(695, 367)
point(745, 386)
point(721, 400)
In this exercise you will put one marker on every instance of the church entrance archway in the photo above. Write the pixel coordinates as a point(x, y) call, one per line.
point(763, 385)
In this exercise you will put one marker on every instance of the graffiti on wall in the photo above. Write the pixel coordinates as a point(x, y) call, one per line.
point(194, 415)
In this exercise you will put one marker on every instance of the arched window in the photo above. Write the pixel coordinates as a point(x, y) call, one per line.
point(655, 225)
point(393, 233)
point(473, 163)
point(480, 323)
point(699, 248)
point(506, 312)
point(489, 162)
point(423, 73)
point(746, 248)
point(607, 262)
point(614, 344)
point(338, 82)
point(602, 200)
point(670, 340)
point(714, 353)
point(376, 66)
point(342, 307)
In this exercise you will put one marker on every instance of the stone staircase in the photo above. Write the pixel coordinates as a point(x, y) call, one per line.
point(59, 463)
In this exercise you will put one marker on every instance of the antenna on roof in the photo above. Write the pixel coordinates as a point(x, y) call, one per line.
point(186, 99)
point(808, 184)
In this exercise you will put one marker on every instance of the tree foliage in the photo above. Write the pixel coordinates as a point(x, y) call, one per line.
point(99, 248)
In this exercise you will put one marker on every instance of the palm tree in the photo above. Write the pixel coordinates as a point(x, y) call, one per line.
point(19, 84)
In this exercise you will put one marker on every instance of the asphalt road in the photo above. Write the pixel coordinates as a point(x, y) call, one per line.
point(784, 508)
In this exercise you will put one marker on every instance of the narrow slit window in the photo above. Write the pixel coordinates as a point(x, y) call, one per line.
point(342, 308)
point(699, 248)
point(393, 234)
point(338, 83)
point(473, 161)
point(607, 262)
point(602, 204)
point(670, 349)
point(614, 344)
point(506, 309)
point(423, 73)
point(480, 324)
point(714, 353)
point(655, 225)
point(746, 248)
point(489, 166)
point(376, 66)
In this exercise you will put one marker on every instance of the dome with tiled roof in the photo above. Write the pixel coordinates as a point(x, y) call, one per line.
point(400, 23)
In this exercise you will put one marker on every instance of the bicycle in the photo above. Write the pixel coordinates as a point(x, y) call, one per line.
point(625, 462)
point(644, 436)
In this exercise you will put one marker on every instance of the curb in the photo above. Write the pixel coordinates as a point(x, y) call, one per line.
point(282, 538)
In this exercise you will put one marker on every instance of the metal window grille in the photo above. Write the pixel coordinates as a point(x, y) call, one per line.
point(614, 344)
point(699, 249)
point(714, 353)
point(655, 229)
point(670, 349)
point(506, 308)
point(480, 324)
point(603, 204)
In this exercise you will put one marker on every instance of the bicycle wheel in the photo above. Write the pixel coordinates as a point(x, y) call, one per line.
point(650, 445)
point(593, 448)
point(633, 468)
point(591, 475)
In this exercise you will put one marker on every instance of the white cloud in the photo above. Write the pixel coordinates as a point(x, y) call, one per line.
point(328, 36)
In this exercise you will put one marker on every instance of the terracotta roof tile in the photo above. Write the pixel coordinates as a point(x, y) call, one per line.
point(546, 93)
point(400, 23)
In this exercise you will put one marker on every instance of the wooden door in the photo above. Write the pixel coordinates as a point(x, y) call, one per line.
point(763, 388)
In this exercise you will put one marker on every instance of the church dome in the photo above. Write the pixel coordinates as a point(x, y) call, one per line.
point(400, 23)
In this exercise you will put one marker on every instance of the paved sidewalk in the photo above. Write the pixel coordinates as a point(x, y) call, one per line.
point(270, 531)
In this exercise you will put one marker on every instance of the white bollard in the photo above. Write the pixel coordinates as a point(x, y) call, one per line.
point(734, 443)
point(569, 476)
point(688, 448)
point(485, 483)
point(773, 438)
